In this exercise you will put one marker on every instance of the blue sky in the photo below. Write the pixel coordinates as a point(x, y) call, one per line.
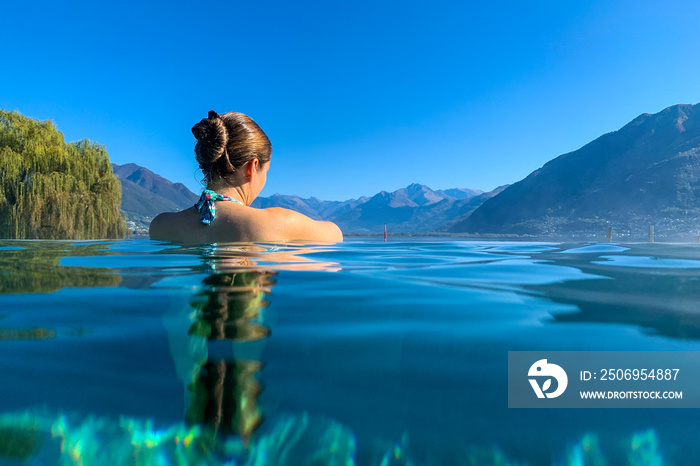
point(357, 97)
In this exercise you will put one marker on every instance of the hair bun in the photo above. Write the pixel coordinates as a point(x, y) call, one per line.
point(212, 137)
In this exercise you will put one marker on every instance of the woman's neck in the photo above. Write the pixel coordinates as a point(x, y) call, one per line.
point(236, 192)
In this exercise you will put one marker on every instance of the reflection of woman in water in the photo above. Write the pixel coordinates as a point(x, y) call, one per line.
point(226, 390)
point(222, 390)
point(234, 155)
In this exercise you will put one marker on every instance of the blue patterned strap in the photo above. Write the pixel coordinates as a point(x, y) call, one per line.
point(206, 207)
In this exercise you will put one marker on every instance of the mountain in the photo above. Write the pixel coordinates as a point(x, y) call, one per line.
point(462, 210)
point(647, 172)
point(413, 209)
point(460, 193)
point(145, 195)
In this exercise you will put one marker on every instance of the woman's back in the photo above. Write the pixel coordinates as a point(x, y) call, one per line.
point(236, 223)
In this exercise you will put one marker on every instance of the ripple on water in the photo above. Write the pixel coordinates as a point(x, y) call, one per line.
point(595, 248)
point(648, 262)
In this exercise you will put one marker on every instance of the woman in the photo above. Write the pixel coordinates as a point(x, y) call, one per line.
point(234, 155)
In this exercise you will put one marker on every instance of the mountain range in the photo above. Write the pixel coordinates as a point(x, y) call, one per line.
point(647, 172)
point(414, 209)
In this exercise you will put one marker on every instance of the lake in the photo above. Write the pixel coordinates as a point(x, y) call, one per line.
point(368, 353)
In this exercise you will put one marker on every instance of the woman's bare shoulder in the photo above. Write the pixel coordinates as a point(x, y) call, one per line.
point(292, 225)
point(158, 225)
point(164, 225)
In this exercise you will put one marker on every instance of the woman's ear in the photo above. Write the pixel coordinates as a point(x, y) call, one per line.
point(251, 167)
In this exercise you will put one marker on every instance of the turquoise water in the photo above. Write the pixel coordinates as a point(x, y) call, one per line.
point(141, 352)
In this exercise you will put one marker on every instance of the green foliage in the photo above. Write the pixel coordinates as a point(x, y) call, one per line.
point(51, 189)
point(34, 267)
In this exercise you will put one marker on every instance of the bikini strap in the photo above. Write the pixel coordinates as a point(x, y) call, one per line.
point(206, 207)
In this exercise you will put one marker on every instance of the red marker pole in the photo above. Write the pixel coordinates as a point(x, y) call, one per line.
point(385, 232)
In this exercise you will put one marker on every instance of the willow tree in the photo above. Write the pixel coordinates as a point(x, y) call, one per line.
point(52, 189)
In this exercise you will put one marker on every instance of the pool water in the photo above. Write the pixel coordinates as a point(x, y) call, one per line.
point(368, 353)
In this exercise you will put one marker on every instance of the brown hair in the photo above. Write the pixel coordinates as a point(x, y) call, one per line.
point(227, 141)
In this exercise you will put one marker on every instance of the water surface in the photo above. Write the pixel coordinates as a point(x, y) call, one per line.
point(143, 352)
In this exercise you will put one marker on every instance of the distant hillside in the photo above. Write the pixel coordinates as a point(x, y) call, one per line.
point(648, 172)
point(460, 193)
point(145, 195)
point(462, 210)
